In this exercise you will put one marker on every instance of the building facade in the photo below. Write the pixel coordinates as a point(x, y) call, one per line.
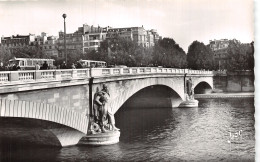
point(74, 41)
point(40, 39)
point(93, 36)
point(142, 37)
point(50, 46)
point(18, 41)
point(220, 56)
point(47, 44)
point(85, 39)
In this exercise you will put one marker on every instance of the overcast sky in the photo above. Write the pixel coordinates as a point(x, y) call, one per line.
point(182, 20)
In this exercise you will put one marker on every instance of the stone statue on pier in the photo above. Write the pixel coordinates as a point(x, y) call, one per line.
point(189, 90)
point(190, 101)
point(103, 120)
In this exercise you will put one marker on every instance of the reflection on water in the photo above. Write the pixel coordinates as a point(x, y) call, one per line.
point(168, 134)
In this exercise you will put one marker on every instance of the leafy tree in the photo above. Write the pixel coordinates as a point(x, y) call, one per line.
point(200, 56)
point(29, 52)
point(5, 55)
point(169, 54)
point(250, 56)
point(73, 56)
point(241, 56)
point(120, 51)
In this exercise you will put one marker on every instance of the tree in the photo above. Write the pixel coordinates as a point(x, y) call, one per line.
point(241, 56)
point(120, 51)
point(250, 56)
point(28, 52)
point(200, 56)
point(5, 55)
point(169, 54)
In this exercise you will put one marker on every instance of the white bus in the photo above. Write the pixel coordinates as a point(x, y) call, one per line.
point(92, 63)
point(29, 63)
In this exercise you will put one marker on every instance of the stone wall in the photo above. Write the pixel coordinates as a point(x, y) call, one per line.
point(235, 82)
point(74, 97)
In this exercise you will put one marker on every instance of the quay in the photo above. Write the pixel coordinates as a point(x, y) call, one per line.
point(226, 95)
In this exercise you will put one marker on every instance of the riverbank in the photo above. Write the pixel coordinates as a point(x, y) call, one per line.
point(225, 95)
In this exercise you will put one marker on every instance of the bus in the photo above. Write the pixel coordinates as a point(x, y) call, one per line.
point(92, 63)
point(29, 63)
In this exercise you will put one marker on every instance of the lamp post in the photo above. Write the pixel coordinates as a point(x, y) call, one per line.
point(65, 50)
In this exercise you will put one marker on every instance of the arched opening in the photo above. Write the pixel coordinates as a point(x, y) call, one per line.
point(142, 111)
point(27, 132)
point(22, 132)
point(147, 110)
point(156, 96)
point(203, 88)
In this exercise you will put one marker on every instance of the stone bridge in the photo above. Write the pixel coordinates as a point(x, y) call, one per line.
point(60, 101)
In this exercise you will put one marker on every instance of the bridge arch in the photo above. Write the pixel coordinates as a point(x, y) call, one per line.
point(42, 111)
point(202, 85)
point(205, 81)
point(155, 96)
point(122, 91)
point(202, 88)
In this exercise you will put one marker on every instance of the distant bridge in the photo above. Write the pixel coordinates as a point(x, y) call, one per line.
point(64, 97)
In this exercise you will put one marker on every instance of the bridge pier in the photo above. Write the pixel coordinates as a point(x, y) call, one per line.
point(108, 138)
point(67, 136)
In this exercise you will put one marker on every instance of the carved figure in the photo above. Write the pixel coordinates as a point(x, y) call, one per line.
point(96, 105)
point(102, 117)
point(190, 91)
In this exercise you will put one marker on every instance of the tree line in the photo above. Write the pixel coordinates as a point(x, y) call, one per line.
point(166, 52)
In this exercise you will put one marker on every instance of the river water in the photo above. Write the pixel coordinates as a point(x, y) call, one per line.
point(218, 130)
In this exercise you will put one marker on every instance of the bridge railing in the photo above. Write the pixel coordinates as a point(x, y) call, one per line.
point(67, 74)
point(95, 72)
point(43, 75)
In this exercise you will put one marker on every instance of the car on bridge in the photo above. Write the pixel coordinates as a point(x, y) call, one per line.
point(28, 63)
point(92, 63)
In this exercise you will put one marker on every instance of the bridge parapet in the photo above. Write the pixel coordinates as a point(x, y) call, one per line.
point(99, 72)
point(68, 74)
point(43, 75)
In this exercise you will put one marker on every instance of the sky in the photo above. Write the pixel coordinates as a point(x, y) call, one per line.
point(183, 20)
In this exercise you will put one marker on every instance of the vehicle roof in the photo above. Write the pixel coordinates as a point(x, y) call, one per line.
point(91, 60)
point(31, 59)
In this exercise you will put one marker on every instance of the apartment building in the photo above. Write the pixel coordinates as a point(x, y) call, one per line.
point(50, 46)
point(145, 38)
point(93, 36)
point(18, 41)
point(86, 38)
point(74, 41)
point(47, 44)
point(219, 48)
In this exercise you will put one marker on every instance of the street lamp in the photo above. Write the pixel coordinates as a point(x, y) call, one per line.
point(65, 50)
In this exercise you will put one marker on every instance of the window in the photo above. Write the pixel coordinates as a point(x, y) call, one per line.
point(21, 63)
point(34, 62)
point(85, 49)
point(29, 62)
point(92, 43)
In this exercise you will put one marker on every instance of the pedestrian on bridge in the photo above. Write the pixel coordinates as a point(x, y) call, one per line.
point(37, 66)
